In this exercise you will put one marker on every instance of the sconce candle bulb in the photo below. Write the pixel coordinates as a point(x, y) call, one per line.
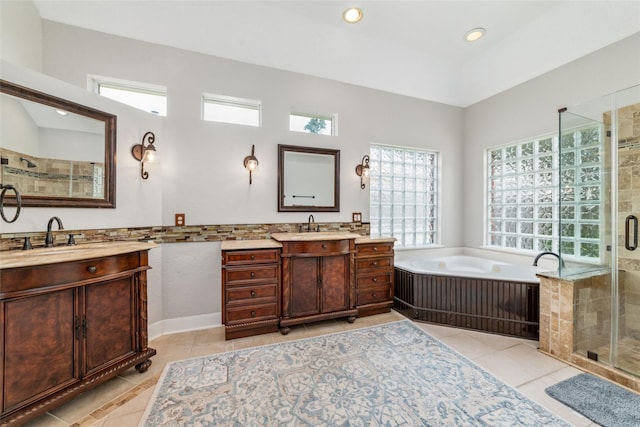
point(145, 153)
point(362, 170)
point(251, 163)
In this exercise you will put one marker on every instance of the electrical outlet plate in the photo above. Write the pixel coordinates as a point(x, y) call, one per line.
point(180, 219)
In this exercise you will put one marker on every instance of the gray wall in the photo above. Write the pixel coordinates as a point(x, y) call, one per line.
point(531, 109)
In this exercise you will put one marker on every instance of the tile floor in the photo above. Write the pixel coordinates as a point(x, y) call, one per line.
point(122, 401)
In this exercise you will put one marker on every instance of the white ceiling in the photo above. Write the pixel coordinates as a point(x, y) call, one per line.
point(412, 48)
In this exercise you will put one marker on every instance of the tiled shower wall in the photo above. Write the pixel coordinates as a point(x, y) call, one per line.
point(57, 177)
point(629, 203)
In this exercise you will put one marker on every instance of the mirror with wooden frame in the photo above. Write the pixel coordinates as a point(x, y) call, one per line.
point(56, 152)
point(308, 179)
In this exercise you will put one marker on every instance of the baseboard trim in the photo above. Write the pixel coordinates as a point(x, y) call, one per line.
point(184, 324)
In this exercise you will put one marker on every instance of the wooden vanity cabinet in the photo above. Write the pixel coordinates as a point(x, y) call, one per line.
point(317, 281)
point(250, 290)
point(374, 277)
point(67, 327)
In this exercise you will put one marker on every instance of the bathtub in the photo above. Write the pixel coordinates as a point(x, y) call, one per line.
point(470, 292)
point(469, 266)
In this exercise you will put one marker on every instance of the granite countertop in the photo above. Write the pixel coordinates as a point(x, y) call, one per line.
point(230, 245)
point(367, 239)
point(313, 236)
point(40, 256)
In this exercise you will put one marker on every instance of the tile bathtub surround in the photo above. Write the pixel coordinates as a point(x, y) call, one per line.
point(170, 234)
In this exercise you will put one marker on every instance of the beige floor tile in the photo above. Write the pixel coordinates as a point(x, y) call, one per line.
point(128, 414)
point(255, 341)
point(46, 420)
point(91, 400)
point(519, 364)
point(535, 391)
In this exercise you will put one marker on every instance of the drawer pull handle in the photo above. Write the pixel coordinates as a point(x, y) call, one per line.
point(253, 257)
point(253, 314)
point(375, 249)
point(253, 293)
point(375, 279)
point(253, 274)
point(92, 269)
point(324, 246)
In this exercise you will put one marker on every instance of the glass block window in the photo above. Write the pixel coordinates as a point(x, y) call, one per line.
point(226, 109)
point(312, 123)
point(532, 184)
point(404, 195)
point(144, 96)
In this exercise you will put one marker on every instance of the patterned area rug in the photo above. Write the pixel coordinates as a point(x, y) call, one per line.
point(389, 375)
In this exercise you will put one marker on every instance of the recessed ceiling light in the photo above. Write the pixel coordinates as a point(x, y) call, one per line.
point(475, 34)
point(352, 15)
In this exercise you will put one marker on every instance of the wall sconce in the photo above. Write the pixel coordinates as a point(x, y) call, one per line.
point(362, 170)
point(251, 162)
point(144, 154)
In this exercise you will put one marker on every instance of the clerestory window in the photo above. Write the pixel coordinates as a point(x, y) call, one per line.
point(144, 96)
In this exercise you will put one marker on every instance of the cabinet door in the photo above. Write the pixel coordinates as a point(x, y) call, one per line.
point(304, 286)
point(110, 322)
point(335, 283)
point(39, 348)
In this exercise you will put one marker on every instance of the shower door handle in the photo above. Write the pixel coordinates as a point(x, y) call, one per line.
point(627, 235)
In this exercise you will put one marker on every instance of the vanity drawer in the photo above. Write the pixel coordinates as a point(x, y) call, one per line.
point(253, 256)
point(385, 278)
point(23, 278)
point(318, 247)
point(250, 273)
point(252, 313)
point(374, 295)
point(247, 294)
point(367, 249)
point(378, 262)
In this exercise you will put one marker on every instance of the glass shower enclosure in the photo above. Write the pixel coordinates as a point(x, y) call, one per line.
point(599, 210)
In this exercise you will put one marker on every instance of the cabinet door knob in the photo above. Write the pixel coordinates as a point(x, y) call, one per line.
point(253, 293)
point(253, 274)
point(92, 269)
point(375, 249)
point(253, 257)
point(253, 314)
point(375, 279)
point(373, 295)
point(374, 263)
point(324, 246)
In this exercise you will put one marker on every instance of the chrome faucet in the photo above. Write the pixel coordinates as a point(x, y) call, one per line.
point(560, 261)
point(48, 240)
point(311, 220)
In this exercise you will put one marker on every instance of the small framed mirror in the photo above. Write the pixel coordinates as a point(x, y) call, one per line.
point(56, 152)
point(308, 179)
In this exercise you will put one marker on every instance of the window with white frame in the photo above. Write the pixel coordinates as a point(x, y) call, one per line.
point(531, 184)
point(144, 96)
point(227, 109)
point(312, 123)
point(404, 195)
